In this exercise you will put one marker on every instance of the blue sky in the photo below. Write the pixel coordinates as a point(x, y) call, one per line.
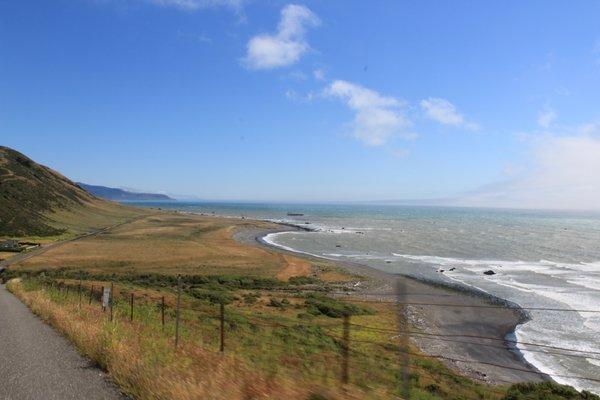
point(472, 102)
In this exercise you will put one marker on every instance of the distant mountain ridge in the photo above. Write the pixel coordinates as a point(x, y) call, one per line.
point(116, 194)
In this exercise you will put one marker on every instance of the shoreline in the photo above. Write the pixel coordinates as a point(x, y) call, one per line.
point(478, 334)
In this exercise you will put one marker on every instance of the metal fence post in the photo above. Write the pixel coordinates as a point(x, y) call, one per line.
point(162, 312)
point(101, 298)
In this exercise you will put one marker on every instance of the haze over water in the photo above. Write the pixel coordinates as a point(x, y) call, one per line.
point(539, 258)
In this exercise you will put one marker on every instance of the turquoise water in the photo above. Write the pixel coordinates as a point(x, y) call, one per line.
point(540, 259)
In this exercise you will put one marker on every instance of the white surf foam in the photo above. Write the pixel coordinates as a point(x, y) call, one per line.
point(574, 286)
point(271, 240)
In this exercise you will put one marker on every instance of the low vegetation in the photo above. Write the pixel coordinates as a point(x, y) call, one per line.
point(277, 345)
point(546, 391)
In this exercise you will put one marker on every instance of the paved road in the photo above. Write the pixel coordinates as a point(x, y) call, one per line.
point(38, 363)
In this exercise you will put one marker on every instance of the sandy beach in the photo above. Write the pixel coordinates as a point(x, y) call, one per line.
point(461, 326)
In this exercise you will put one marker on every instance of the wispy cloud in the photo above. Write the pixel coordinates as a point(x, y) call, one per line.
point(200, 38)
point(192, 5)
point(546, 118)
point(563, 173)
point(319, 74)
point(444, 112)
point(287, 45)
point(377, 118)
point(399, 153)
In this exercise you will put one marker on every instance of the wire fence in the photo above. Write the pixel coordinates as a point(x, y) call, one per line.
point(352, 339)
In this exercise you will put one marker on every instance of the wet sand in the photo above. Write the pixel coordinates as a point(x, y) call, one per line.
point(457, 316)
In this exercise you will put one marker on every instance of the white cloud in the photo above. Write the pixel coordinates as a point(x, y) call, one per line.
point(287, 45)
point(546, 118)
point(319, 74)
point(192, 5)
point(292, 95)
point(563, 174)
point(378, 118)
point(444, 112)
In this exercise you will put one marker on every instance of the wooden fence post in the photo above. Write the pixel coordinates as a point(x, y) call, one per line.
point(222, 328)
point(131, 314)
point(346, 350)
point(91, 295)
point(80, 293)
point(162, 312)
point(177, 311)
point(101, 298)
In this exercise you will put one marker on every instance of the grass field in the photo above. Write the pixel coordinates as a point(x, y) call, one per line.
point(284, 334)
point(171, 243)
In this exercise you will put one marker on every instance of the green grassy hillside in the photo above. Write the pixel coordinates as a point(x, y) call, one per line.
point(38, 201)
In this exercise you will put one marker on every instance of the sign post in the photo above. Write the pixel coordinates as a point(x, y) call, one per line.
point(105, 298)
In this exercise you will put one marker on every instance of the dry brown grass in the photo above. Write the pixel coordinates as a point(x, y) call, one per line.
point(92, 215)
point(171, 243)
point(145, 365)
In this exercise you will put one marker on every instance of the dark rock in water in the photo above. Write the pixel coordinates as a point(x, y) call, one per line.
point(441, 271)
point(338, 245)
point(388, 262)
point(489, 272)
point(452, 269)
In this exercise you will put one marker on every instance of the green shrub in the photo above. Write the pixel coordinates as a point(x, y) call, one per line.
point(213, 296)
point(546, 391)
point(250, 298)
point(273, 302)
point(317, 304)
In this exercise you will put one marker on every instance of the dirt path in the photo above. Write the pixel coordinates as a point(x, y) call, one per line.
point(294, 267)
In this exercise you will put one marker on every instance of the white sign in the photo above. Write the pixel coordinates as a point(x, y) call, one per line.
point(105, 297)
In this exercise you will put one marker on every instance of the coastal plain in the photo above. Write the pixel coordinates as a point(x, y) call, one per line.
point(190, 244)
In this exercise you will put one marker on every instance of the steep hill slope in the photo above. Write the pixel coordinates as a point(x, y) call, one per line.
point(38, 201)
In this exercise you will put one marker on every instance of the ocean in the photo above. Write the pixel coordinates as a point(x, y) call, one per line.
point(547, 262)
